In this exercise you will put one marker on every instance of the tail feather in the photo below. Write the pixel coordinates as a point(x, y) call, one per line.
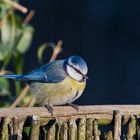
point(11, 76)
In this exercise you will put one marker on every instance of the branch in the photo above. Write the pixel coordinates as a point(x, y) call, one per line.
point(29, 17)
point(56, 50)
point(21, 96)
point(16, 5)
point(103, 113)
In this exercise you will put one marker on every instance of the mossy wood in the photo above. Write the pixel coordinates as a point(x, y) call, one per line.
point(102, 122)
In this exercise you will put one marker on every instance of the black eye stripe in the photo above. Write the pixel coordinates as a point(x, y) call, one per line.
point(75, 69)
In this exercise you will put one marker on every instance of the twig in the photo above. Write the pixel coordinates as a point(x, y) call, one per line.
point(56, 50)
point(18, 124)
point(96, 131)
point(89, 128)
point(72, 129)
point(32, 101)
point(132, 128)
point(2, 72)
point(34, 133)
point(82, 129)
point(29, 17)
point(16, 5)
point(64, 131)
point(4, 131)
point(117, 126)
point(20, 97)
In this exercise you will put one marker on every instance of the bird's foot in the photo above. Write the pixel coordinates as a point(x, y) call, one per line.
point(74, 106)
point(49, 108)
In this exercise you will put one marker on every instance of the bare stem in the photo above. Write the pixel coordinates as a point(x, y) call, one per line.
point(21, 96)
point(16, 5)
point(29, 17)
point(56, 50)
point(2, 72)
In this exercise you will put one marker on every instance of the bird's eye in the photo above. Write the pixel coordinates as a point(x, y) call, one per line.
point(78, 71)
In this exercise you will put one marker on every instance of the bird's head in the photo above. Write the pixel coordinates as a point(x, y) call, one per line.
point(76, 68)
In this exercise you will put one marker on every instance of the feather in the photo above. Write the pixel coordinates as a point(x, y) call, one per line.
point(11, 76)
point(53, 72)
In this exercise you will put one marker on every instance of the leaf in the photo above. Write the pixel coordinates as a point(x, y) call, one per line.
point(25, 39)
point(5, 32)
point(40, 52)
point(4, 87)
point(18, 62)
point(26, 130)
point(2, 52)
point(4, 8)
point(8, 34)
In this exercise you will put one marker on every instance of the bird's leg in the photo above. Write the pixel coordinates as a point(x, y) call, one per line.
point(50, 108)
point(74, 106)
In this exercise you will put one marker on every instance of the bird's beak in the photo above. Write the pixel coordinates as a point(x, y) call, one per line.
point(85, 76)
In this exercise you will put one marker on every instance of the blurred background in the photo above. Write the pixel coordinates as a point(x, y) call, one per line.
point(105, 33)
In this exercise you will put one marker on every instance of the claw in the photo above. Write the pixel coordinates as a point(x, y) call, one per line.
point(50, 108)
point(74, 106)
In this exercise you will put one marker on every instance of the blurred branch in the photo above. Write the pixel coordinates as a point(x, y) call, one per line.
point(16, 5)
point(21, 96)
point(32, 102)
point(2, 72)
point(29, 17)
point(56, 50)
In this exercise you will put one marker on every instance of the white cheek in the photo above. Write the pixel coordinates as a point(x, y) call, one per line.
point(74, 74)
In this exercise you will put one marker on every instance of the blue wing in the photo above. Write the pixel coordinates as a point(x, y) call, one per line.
point(53, 72)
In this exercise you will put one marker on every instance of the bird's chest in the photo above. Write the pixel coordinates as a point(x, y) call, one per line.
point(58, 93)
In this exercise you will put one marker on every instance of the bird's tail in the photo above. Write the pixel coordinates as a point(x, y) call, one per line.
point(11, 76)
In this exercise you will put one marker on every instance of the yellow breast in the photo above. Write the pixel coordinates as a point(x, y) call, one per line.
point(75, 84)
point(58, 93)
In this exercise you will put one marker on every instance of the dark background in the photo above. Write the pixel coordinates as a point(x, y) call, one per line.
point(105, 33)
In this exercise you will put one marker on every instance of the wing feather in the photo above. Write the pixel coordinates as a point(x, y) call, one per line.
point(53, 72)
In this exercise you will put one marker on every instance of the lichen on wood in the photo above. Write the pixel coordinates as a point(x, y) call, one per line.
point(4, 131)
point(132, 128)
point(108, 135)
point(51, 132)
point(35, 125)
point(96, 131)
point(117, 125)
point(72, 131)
point(89, 129)
point(81, 129)
point(18, 124)
point(64, 131)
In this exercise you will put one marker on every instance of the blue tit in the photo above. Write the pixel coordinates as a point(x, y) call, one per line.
point(56, 83)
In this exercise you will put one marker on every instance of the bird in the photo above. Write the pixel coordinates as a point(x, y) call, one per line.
point(59, 82)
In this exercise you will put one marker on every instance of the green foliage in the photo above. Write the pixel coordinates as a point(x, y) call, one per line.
point(42, 48)
point(40, 52)
point(15, 40)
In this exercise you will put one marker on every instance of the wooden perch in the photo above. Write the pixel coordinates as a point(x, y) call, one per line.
point(66, 123)
point(98, 111)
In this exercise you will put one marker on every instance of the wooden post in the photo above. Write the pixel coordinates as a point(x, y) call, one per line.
point(72, 129)
point(117, 125)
